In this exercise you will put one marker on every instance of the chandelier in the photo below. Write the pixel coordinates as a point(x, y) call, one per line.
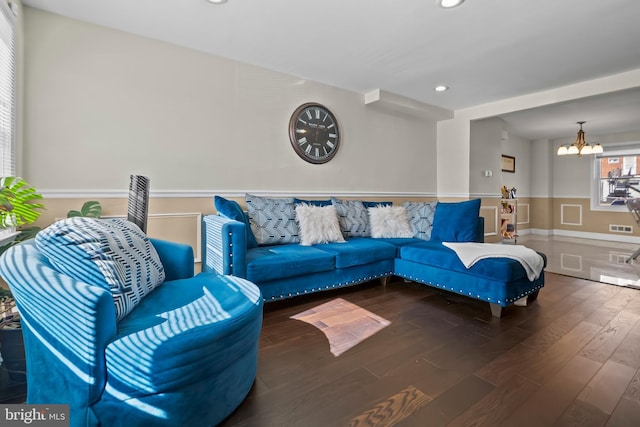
point(580, 146)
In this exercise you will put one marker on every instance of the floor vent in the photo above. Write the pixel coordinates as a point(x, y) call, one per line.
point(620, 228)
point(618, 257)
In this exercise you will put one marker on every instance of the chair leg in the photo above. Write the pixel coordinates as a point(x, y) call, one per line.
point(496, 310)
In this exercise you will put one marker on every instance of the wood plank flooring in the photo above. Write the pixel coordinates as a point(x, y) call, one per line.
point(571, 358)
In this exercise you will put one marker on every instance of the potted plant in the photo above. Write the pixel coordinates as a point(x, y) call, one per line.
point(19, 208)
point(90, 209)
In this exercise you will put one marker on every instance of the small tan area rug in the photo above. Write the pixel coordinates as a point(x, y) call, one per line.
point(344, 324)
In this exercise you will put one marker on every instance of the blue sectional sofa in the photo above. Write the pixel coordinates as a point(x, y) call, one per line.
point(287, 268)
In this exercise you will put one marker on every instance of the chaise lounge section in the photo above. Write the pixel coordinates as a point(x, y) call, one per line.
point(289, 269)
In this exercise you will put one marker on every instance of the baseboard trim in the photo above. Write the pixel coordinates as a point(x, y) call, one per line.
point(583, 235)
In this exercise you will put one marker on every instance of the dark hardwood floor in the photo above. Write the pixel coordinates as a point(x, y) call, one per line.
point(571, 358)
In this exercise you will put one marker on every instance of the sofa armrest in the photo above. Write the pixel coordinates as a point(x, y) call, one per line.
point(177, 259)
point(225, 246)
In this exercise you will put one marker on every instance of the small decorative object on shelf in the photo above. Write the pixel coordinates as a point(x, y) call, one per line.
point(508, 194)
point(505, 192)
point(509, 219)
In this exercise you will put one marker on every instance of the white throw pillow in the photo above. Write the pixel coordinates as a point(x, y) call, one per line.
point(318, 224)
point(389, 222)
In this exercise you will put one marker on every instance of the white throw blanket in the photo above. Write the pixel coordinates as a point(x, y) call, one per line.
point(470, 253)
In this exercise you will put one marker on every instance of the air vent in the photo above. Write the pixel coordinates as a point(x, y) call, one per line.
point(618, 257)
point(620, 228)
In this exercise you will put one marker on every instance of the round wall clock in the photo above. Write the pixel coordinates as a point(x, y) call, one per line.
point(313, 132)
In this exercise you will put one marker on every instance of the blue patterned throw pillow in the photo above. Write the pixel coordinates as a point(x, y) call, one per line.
point(421, 218)
point(273, 220)
point(111, 253)
point(353, 217)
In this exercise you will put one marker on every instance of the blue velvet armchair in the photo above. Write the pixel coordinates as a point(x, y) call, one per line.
point(186, 355)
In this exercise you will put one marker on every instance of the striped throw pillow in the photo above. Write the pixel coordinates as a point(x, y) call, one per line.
point(112, 253)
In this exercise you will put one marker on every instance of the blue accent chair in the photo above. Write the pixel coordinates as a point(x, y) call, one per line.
point(185, 356)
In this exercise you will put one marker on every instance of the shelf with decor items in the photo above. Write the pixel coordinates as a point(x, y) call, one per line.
point(509, 220)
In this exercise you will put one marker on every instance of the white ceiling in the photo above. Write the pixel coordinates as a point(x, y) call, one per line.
point(615, 112)
point(485, 50)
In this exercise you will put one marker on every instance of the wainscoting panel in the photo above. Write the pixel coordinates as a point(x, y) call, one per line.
point(523, 213)
point(490, 214)
point(178, 227)
point(571, 262)
point(570, 214)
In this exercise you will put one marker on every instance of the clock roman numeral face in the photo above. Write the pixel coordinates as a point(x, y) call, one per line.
point(313, 132)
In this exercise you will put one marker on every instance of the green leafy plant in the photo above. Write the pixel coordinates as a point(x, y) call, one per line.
point(19, 206)
point(19, 202)
point(91, 209)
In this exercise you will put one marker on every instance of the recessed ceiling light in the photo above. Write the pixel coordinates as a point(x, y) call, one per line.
point(217, 1)
point(448, 4)
point(441, 88)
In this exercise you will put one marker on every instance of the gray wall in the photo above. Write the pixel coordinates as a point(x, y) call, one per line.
point(485, 156)
point(102, 104)
point(488, 143)
point(542, 156)
point(572, 174)
point(519, 148)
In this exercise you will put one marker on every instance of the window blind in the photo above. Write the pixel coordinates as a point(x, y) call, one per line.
point(7, 90)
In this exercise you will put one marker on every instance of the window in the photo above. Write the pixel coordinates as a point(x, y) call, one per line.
point(7, 90)
point(617, 177)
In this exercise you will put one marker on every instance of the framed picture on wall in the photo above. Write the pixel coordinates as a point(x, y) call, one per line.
point(508, 164)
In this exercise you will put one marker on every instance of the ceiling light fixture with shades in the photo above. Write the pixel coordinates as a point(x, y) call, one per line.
point(580, 146)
